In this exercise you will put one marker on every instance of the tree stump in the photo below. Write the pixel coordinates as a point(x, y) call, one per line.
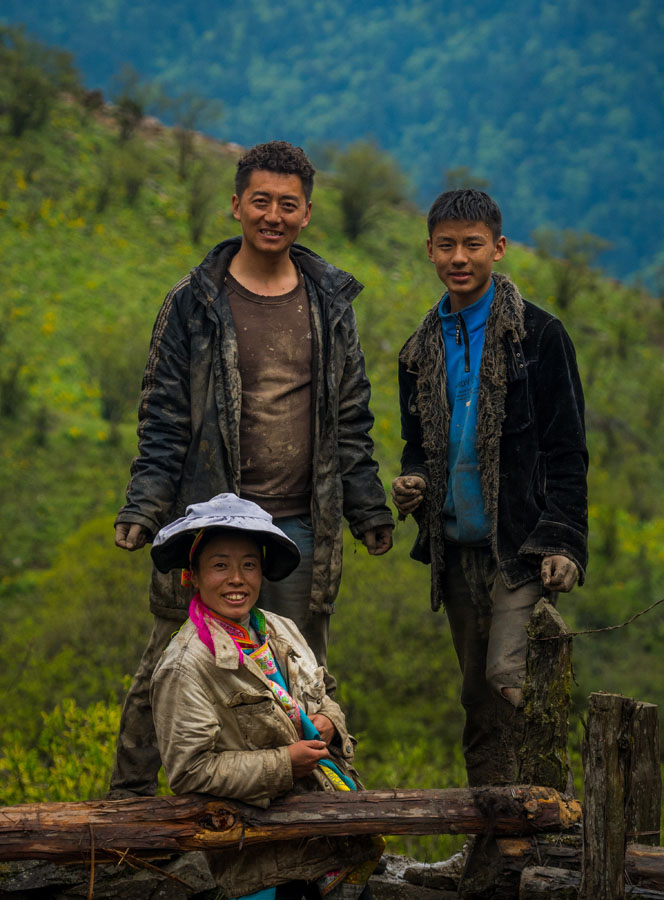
point(543, 756)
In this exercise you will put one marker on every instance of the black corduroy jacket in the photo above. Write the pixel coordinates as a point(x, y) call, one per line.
point(530, 438)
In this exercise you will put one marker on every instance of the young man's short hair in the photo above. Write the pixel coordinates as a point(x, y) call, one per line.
point(275, 156)
point(466, 205)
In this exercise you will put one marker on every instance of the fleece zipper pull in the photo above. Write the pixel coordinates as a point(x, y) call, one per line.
point(461, 327)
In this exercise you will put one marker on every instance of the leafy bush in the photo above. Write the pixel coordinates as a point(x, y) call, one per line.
point(72, 759)
point(31, 77)
point(370, 182)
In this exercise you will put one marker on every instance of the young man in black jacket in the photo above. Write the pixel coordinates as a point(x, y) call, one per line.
point(493, 469)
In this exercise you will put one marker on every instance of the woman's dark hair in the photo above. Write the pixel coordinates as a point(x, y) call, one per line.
point(275, 156)
point(466, 205)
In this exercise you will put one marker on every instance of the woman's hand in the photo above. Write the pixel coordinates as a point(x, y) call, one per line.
point(324, 727)
point(305, 756)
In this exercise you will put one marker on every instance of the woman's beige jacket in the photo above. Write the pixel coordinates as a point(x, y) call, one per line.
point(222, 731)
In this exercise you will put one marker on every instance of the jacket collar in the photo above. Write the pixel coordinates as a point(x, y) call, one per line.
point(226, 655)
point(207, 279)
point(424, 354)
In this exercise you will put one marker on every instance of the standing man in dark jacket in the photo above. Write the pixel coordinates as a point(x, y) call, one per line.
point(493, 469)
point(255, 384)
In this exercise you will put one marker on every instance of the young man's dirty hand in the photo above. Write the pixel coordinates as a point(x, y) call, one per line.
point(559, 573)
point(408, 493)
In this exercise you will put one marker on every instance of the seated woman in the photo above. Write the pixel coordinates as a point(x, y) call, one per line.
point(241, 709)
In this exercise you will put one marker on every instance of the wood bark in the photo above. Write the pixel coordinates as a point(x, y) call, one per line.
point(644, 865)
point(622, 788)
point(546, 692)
point(195, 822)
point(643, 775)
point(542, 883)
point(604, 804)
point(563, 851)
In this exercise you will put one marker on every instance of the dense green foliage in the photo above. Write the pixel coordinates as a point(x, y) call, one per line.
point(555, 104)
point(84, 282)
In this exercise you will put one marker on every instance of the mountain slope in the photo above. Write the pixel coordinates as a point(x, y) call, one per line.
point(557, 105)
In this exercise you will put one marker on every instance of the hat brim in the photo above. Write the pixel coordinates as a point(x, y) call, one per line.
point(281, 553)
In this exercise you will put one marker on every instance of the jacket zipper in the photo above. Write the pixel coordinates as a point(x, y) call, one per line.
point(461, 327)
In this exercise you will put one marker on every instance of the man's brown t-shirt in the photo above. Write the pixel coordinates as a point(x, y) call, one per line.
point(274, 360)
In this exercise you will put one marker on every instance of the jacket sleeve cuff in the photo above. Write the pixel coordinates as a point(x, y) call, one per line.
point(278, 772)
point(555, 538)
point(133, 518)
point(384, 518)
point(333, 712)
point(422, 471)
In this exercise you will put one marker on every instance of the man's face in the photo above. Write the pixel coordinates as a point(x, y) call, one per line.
point(272, 211)
point(463, 254)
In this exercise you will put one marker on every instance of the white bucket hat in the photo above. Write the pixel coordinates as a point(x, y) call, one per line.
point(172, 544)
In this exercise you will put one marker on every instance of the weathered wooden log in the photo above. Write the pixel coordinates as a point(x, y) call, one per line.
point(604, 803)
point(543, 757)
point(644, 865)
point(542, 883)
point(195, 821)
point(643, 775)
point(562, 851)
point(619, 770)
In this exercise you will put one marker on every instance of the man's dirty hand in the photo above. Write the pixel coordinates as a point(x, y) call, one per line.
point(559, 573)
point(130, 536)
point(408, 493)
point(378, 540)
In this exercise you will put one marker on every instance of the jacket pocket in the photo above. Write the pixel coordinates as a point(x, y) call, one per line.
point(312, 688)
point(261, 725)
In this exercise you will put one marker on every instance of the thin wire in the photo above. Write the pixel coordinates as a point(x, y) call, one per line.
point(568, 634)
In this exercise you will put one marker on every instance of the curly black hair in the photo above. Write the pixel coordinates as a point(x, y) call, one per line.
point(466, 205)
point(275, 156)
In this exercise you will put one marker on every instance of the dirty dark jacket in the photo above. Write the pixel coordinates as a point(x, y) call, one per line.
point(530, 438)
point(189, 416)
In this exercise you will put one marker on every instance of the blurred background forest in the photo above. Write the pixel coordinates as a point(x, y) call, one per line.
point(557, 103)
point(102, 210)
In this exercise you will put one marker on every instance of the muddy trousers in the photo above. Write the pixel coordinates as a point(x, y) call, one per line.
point(488, 624)
point(137, 760)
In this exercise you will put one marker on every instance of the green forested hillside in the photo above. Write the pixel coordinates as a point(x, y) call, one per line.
point(93, 232)
point(557, 105)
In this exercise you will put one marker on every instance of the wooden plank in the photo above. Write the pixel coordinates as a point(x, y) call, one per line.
point(543, 757)
point(195, 821)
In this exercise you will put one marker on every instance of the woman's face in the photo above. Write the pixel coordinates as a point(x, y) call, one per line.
point(228, 575)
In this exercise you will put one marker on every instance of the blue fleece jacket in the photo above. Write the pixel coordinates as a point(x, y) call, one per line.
point(463, 334)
